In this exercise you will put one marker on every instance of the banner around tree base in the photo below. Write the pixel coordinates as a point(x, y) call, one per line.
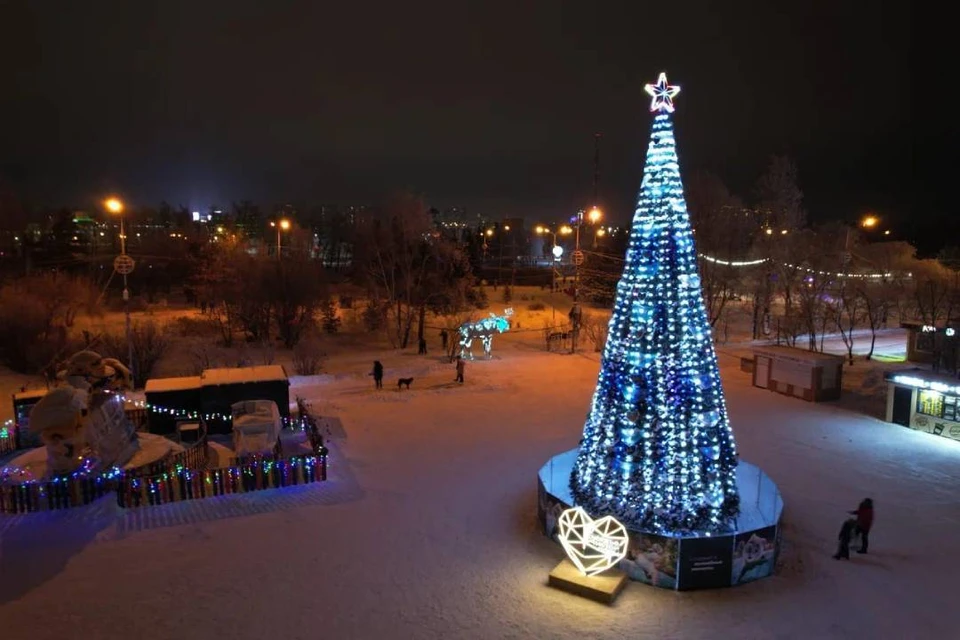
point(686, 562)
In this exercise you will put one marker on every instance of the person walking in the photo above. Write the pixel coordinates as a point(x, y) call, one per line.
point(423, 347)
point(444, 336)
point(864, 514)
point(377, 374)
point(460, 367)
point(846, 533)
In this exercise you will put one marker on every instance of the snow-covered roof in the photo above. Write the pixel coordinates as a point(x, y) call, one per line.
point(798, 355)
point(240, 375)
point(161, 385)
point(29, 394)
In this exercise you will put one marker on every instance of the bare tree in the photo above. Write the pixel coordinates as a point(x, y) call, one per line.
point(779, 196)
point(150, 343)
point(723, 230)
point(407, 264)
point(847, 308)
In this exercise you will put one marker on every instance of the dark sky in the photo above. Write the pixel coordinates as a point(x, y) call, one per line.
point(485, 104)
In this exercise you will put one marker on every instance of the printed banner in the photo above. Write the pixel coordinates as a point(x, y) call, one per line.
point(651, 559)
point(705, 562)
point(754, 555)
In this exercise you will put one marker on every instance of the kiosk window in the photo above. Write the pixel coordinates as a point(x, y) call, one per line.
point(930, 403)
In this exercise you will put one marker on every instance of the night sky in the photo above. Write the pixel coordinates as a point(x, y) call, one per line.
point(488, 105)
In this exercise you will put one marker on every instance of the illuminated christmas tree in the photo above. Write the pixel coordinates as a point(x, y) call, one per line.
point(657, 450)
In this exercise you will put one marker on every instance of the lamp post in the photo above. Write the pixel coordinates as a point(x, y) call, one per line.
point(505, 227)
point(282, 225)
point(593, 217)
point(557, 252)
point(124, 265)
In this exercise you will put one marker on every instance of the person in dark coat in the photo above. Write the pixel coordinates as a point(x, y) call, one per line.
point(846, 533)
point(377, 374)
point(864, 515)
point(460, 367)
point(444, 336)
point(423, 347)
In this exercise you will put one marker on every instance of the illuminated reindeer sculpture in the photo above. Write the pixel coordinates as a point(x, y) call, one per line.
point(483, 329)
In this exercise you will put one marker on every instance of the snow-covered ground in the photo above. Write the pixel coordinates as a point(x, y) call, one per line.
point(427, 527)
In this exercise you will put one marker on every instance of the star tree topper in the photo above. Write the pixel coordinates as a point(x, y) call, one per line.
point(662, 94)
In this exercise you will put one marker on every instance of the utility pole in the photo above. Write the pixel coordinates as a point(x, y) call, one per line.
point(594, 217)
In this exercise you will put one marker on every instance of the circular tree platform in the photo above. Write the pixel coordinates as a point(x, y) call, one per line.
point(686, 562)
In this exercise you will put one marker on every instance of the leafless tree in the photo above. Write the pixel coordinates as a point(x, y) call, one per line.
point(779, 196)
point(723, 232)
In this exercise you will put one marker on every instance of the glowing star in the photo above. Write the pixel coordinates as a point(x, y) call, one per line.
point(662, 94)
point(592, 545)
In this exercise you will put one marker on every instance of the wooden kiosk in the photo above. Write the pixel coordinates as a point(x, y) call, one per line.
point(807, 375)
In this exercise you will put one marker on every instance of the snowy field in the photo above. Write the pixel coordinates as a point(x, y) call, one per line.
point(427, 528)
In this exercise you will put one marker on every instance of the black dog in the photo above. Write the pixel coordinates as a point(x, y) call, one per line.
point(404, 382)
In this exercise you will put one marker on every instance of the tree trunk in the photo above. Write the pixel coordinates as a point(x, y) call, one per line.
point(420, 322)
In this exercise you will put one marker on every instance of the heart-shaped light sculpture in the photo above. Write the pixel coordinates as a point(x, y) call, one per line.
point(592, 545)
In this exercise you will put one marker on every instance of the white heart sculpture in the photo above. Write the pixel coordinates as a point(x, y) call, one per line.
point(592, 545)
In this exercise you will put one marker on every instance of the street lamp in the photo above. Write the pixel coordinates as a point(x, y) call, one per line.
point(869, 222)
point(593, 217)
point(124, 265)
point(505, 227)
point(282, 225)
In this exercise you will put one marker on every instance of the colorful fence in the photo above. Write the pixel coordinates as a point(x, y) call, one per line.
point(193, 457)
point(64, 493)
point(174, 479)
point(194, 484)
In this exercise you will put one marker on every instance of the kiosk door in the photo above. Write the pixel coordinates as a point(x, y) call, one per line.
point(902, 401)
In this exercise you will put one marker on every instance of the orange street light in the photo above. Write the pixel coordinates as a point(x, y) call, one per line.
point(113, 205)
point(601, 232)
point(566, 229)
point(282, 224)
point(768, 231)
point(869, 222)
point(595, 215)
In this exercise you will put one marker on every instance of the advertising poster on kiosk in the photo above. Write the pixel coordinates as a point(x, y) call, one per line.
point(651, 559)
point(754, 555)
point(705, 562)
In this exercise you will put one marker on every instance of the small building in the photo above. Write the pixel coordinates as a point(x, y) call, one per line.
point(222, 388)
point(924, 401)
point(170, 400)
point(808, 375)
point(934, 344)
point(23, 403)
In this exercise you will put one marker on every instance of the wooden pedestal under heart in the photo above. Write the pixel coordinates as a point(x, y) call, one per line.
point(592, 545)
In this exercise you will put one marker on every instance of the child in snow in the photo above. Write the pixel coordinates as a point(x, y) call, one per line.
point(846, 532)
point(460, 367)
point(864, 515)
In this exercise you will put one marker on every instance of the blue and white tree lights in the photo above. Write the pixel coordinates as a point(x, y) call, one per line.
point(657, 450)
